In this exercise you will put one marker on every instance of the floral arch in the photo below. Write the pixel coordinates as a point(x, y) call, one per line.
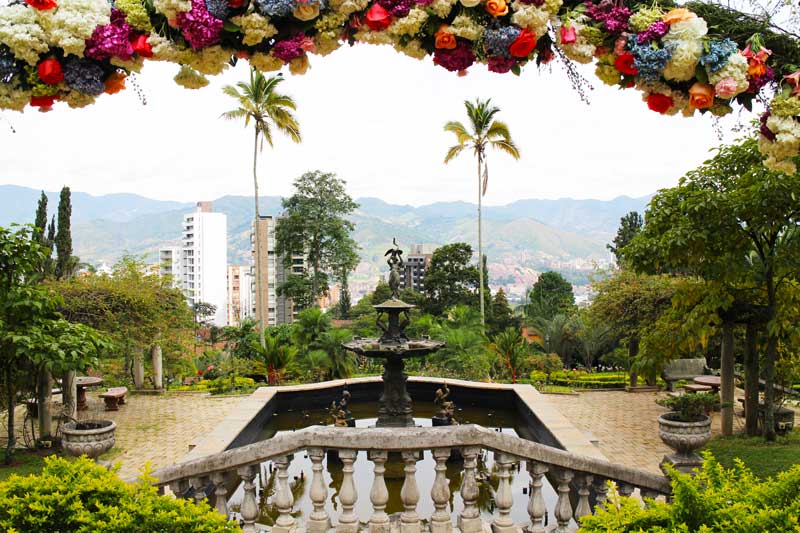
point(695, 58)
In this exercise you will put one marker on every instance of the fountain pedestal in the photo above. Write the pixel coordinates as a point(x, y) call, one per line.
point(395, 402)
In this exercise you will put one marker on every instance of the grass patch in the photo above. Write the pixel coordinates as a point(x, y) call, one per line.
point(554, 389)
point(24, 463)
point(763, 458)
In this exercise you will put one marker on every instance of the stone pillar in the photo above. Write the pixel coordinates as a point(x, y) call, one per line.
point(44, 400)
point(138, 372)
point(726, 371)
point(69, 394)
point(155, 355)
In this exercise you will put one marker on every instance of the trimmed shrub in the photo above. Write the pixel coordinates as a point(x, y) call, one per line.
point(82, 497)
point(717, 500)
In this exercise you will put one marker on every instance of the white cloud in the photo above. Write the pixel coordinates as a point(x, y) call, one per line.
point(372, 116)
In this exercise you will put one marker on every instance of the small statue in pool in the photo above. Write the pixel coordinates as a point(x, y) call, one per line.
point(395, 263)
point(445, 408)
point(344, 404)
point(338, 415)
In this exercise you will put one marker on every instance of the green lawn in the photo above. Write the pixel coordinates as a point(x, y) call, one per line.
point(25, 463)
point(764, 459)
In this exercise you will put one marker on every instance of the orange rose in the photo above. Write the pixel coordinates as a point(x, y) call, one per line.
point(497, 8)
point(115, 83)
point(677, 15)
point(445, 39)
point(701, 96)
point(756, 69)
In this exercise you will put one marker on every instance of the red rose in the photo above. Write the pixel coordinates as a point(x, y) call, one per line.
point(568, 35)
point(42, 5)
point(50, 71)
point(45, 102)
point(378, 19)
point(235, 4)
point(660, 103)
point(199, 372)
point(141, 46)
point(624, 64)
point(523, 45)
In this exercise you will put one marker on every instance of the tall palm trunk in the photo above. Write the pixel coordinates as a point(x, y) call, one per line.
point(259, 295)
point(480, 241)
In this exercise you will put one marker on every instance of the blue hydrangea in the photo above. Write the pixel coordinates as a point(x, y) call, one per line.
point(496, 42)
point(8, 66)
point(218, 8)
point(718, 54)
point(649, 61)
point(84, 76)
point(275, 8)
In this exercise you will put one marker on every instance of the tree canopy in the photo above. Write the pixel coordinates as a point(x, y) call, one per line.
point(450, 279)
point(550, 295)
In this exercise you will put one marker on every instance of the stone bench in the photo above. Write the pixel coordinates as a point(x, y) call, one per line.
point(694, 387)
point(683, 369)
point(114, 397)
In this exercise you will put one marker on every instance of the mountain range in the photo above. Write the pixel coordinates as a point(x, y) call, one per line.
point(520, 238)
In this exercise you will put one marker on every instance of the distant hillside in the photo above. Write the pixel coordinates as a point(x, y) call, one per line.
point(534, 234)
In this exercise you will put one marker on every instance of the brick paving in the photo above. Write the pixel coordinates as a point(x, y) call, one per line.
point(159, 428)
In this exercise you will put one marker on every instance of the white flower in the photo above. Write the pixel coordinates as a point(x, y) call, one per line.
point(171, 8)
point(374, 37)
point(784, 148)
point(256, 28)
point(412, 49)
point(190, 78)
point(465, 27)
point(692, 29)
point(327, 42)
point(348, 7)
point(581, 50)
point(680, 102)
point(470, 3)
point(530, 17)
point(683, 63)
point(21, 32)
point(77, 100)
point(442, 8)
point(410, 24)
point(134, 65)
point(72, 22)
point(12, 97)
point(736, 69)
point(265, 62)
point(210, 60)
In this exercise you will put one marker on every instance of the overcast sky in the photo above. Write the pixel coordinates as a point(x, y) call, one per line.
point(375, 118)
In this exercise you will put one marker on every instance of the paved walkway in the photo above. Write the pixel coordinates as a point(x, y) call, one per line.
point(159, 428)
point(624, 424)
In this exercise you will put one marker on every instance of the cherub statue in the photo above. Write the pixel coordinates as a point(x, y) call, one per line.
point(344, 403)
point(395, 263)
point(446, 408)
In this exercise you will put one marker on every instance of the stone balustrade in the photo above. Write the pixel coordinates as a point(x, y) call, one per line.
point(580, 481)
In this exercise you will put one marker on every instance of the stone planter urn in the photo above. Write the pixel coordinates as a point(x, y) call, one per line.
point(89, 437)
point(685, 438)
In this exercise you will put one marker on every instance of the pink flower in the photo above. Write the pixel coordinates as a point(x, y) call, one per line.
point(568, 35)
point(620, 43)
point(726, 88)
point(307, 44)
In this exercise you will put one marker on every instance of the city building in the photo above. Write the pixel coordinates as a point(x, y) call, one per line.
point(199, 266)
point(240, 305)
point(275, 309)
point(416, 264)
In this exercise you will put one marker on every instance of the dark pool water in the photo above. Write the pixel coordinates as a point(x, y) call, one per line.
point(505, 421)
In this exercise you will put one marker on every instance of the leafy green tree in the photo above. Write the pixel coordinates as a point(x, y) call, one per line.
point(733, 223)
point(241, 337)
point(450, 279)
point(308, 328)
point(553, 335)
point(484, 132)
point(629, 226)
point(34, 336)
point(276, 355)
point(315, 224)
point(260, 102)
point(550, 295)
point(591, 336)
point(340, 363)
point(65, 262)
point(511, 348)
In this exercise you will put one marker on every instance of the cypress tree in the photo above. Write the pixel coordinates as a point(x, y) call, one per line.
point(41, 218)
point(49, 242)
point(344, 301)
point(64, 235)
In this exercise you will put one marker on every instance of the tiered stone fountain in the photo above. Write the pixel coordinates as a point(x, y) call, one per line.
point(394, 347)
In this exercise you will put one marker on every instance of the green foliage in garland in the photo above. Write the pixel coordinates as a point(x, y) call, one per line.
point(82, 497)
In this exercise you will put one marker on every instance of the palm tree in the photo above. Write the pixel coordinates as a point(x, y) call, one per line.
point(485, 132)
point(277, 356)
point(269, 110)
point(511, 348)
point(341, 363)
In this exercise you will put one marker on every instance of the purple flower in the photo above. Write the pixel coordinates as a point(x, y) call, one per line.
point(459, 58)
point(290, 48)
point(111, 40)
point(764, 130)
point(614, 19)
point(397, 8)
point(200, 27)
point(424, 3)
point(501, 65)
point(496, 42)
point(758, 82)
point(656, 31)
point(84, 76)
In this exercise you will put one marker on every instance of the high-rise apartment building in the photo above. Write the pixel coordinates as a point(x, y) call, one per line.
point(170, 260)
point(239, 294)
point(416, 264)
point(273, 308)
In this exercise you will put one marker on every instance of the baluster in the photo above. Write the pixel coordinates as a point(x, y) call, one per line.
point(440, 494)
point(284, 500)
point(379, 494)
point(221, 493)
point(563, 510)
point(318, 520)
point(504, 497)
point(348, 521)
point(626, 489)
point(648, 494)
point(536, 506)
point(160, 490)
point(249, 507)
point(600, 493)
point(469, 521)
point(583, 508)
point(179, 488)
point(409, 495)
point(199, 488)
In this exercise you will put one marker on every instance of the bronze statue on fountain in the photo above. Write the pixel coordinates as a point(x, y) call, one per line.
point(394, 347)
